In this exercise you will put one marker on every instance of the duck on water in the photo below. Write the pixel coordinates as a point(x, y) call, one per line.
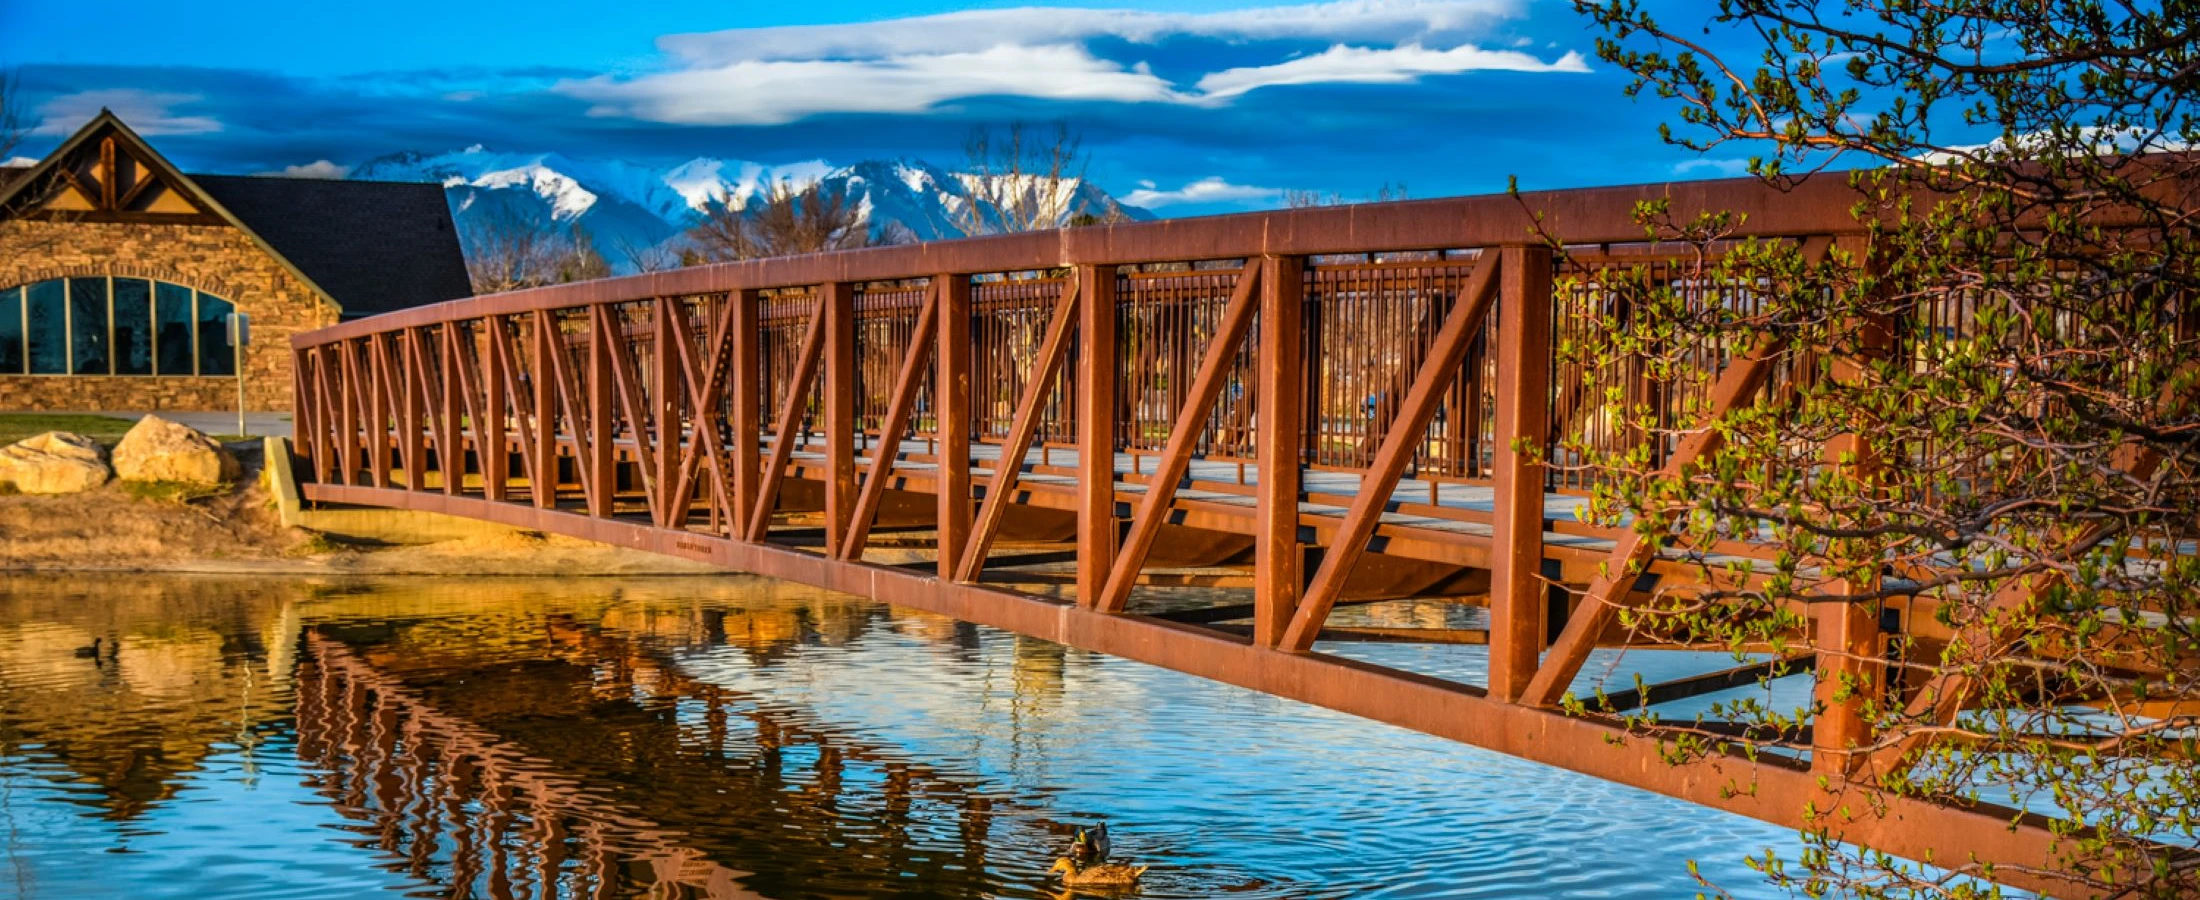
point(1087, 865)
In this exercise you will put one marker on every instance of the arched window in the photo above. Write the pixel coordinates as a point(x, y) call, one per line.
point(114, 326)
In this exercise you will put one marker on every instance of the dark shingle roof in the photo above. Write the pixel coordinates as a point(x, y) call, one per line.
point(375, 246)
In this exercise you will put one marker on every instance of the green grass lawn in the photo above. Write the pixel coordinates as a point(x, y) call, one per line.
point(106, 429)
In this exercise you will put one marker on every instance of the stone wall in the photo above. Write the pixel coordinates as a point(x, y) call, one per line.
point(218, 259)
point(131, 392)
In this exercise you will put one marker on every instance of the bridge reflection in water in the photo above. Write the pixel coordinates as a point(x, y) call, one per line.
point(725, 737)
point(578, 763)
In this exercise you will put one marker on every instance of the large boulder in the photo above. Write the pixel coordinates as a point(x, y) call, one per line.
point(159, 450)
point(56, 462)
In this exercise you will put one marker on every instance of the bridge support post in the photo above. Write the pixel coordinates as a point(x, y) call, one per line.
point(1279, 560)
point(404, 372)
point(1847, 636)
point(838, 300)
point(1517, 590)
point(951, 404)
point(304, 411)
point(1096, 377)
point(670, 319)
point(543, 481)
point(495, 453)
point(378, 409)
point(602, 464)
point(346, 368)
point(746, 333)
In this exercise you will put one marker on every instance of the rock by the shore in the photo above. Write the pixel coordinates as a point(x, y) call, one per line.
point(56, 462)
point(159, 450)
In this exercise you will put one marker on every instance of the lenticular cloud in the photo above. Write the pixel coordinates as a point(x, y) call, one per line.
point(910, 66)
point(1349, 21)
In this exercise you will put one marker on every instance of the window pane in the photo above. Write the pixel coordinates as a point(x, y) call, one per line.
point(216, 357)
point(49, 337)
point(88, 325)
point(133, 326)
point(11, 331)
point(174, 341)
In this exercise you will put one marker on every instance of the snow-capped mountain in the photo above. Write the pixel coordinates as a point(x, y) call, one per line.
point(627, 208)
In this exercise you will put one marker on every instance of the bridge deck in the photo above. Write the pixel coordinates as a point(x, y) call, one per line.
point(1431, 507)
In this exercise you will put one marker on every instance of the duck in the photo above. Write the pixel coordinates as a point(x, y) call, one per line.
point(1104, 875)
point(1091, 845)
point(91, 652)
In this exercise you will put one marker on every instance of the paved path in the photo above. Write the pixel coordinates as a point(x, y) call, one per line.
point(257, 424)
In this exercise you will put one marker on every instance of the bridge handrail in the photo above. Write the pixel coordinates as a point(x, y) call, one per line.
point(1587, 216)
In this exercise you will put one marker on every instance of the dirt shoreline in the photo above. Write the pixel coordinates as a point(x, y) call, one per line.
point(240, 533)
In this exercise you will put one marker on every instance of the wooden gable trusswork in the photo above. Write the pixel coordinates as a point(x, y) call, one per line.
point(107, 173)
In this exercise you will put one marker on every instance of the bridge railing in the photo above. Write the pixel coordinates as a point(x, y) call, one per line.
point(1374, 282)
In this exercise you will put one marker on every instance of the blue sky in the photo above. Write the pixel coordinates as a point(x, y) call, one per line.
point(1190, 107)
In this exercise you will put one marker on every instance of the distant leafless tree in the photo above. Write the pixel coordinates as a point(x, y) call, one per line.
point(1311, 199)
point(1018, 180)
point(507, 251)
point(645, 257)
point(784, 221)
point(13, 125)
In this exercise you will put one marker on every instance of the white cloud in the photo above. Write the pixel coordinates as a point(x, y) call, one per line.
point(1713, 167)
point(1365, 65)
point(149, 112)
point(1389, 21)
point(319, 168)
point(778, 92)
point(774, 76)
point(1212, 189)
point(17, 162)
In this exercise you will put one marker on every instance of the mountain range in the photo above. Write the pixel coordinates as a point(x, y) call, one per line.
point(628, 209)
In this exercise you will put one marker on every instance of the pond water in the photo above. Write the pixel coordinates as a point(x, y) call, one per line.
point(729, 737)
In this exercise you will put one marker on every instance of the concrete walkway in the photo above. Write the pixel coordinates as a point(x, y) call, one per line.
point(259, 424)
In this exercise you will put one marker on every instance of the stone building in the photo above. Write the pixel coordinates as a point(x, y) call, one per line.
point(118, 274)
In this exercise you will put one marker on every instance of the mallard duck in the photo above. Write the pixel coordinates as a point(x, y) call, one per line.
point(1104, 875)
point(1091, 845)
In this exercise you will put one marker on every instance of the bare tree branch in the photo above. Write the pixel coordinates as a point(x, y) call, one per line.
point(1021, 180)
point(508, 251)
point(784, 221)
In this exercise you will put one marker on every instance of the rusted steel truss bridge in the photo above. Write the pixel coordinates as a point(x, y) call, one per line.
point(1215, 445)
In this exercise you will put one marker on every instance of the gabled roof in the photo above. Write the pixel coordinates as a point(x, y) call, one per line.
point(375, 246)
point(366, 247)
